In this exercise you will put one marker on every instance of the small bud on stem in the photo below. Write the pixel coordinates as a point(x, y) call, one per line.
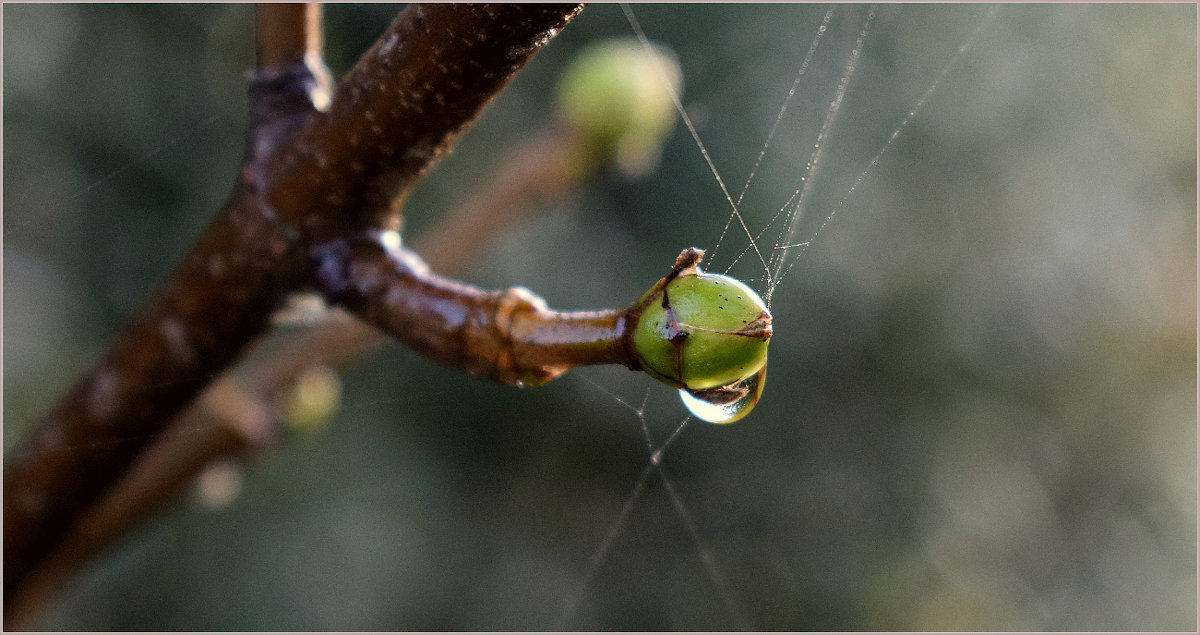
point(700, 331)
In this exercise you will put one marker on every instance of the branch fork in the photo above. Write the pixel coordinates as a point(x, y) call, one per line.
point(310, 174)
point(317, 206)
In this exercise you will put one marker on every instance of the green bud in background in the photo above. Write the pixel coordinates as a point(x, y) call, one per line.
point(615, 95)
point(701, 332)
point(314, 399)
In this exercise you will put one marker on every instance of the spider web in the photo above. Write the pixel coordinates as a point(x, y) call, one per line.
point(776, 263)
point(771, 245)
point(753, 525)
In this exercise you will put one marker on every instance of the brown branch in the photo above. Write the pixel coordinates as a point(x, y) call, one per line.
point(399, 109)
point(287, 35)
point(291, 82)
point(219, 298)
point(225, 422)
point(231, 424)
point(509, 335)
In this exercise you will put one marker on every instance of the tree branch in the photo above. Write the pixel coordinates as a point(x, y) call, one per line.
point(343, 171)
point(227, 422)
point(219, 298)
point(287, 35)
point(398, 110)
point(508, 336)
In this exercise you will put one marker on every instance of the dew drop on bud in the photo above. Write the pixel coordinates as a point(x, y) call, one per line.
point(726, 404)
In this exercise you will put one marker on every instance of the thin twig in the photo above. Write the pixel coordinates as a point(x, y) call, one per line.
point(506, 335)
point(287, 34)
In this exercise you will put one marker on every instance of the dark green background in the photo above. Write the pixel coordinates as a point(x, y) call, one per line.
point(981, 411)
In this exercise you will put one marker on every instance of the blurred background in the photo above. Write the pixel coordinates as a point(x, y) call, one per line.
point(981, 411)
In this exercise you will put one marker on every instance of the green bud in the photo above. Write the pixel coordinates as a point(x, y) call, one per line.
point(314, 399)
point(701, 331)
point(616, 95)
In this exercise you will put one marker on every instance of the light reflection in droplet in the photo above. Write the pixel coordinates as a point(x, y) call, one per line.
point(727, 403)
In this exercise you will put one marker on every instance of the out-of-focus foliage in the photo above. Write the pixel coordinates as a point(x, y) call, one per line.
point(982, 406)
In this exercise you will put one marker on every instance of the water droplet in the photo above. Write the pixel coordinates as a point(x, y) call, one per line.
point(726, 404)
